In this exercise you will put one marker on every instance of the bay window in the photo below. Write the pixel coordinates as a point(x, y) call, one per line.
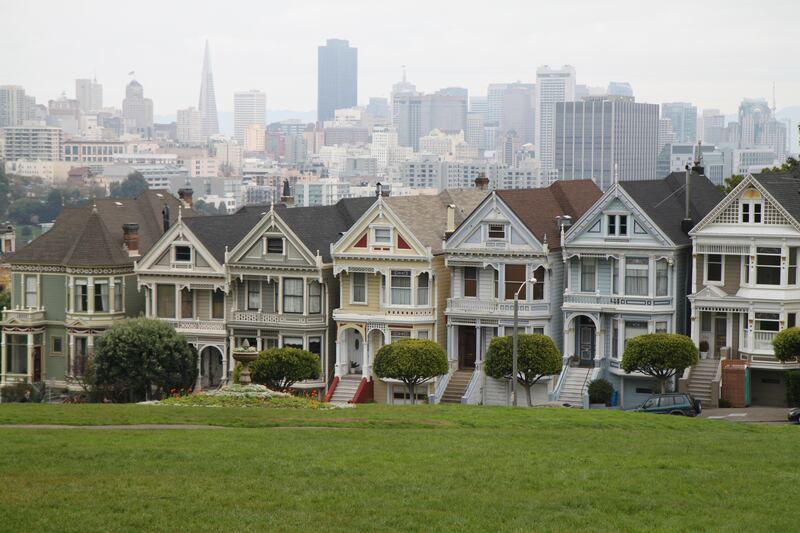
point(422, 288)
point(292, 295)
point(401, 287)
point(101, 295)
point(81, 356)
point(118, 307)
point(314, 297)
point(662, 278)
point(187, 303)
point(17, 354)
point(253, 295)
point(165, 304)
point(636, 277)
point(634, 328)
point(768, 266)
point(588, 274)
point(516, 278)
point(217, 304)
point(767, 322)
point(359, 282)
point(81, 296)
point(470, 282)
point(398, 335)
point(293, 342)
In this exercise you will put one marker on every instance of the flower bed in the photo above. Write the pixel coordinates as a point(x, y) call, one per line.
point(245, 396)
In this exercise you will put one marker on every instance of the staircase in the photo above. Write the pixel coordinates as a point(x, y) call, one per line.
point(700, 379)
point(457, 386)
point(573, 388)
point(346, 388)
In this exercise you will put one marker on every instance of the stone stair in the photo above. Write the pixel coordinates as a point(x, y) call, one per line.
point(573, 388)
point(700, 380)
point(457, 386)
point(346, 388)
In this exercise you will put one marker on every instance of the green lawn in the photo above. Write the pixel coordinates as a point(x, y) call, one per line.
point(410, 468)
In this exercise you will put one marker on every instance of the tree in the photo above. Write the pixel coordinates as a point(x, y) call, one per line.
point(659, 355)
point(5, 299)
point(790, 166)
point(537, 357)
point(25, 211)
point(280, 368)
point(137, 355)
point(731, 183)
point(53, 205)
point(411, 361)
point(5, 191)
point(130, 187)
point(786, 344)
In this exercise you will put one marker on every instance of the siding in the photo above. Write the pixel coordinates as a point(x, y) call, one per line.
point(379, 390)
point(683, 276)
point(733, 273)
point(556, 299)
point(373, 294)
point(55, 366)
point(53, 295)
point(441, 287)
point(134, 300)
point(330, 291)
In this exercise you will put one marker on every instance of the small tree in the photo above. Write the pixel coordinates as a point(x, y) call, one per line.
point(136, 355)
point(786, 344)
point(600, 391)
point(280, 368)
point(659, 355)
point(537, 357)
point(131, 187)
point(411, 361)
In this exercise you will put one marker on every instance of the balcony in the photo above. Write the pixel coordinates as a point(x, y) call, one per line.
point(408, 312)
point(495, 307)
point(28, 316)
point(659, 303)
point(276, 319)
point(197, 327)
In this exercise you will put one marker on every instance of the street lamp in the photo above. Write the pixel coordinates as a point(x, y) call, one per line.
point(514, 341)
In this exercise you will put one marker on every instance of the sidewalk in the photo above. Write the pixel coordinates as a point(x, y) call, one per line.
point(748, 414)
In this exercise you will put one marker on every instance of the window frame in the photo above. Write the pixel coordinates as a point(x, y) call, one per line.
point(771, 268)
point(473, 282)
point(423, 289)
point(374, 234)
point(492, 227)
point(584, 262)
point(84, 296)
point(28, 293)
point(295, 298)
point(637, 267)
point(160, 289)
point(191, 301)
point(658, 274)
point(523, 293)
point(214, 303)
point(268, 239)
point(314, 298)
point(362, 276)
point(249, 294)
point(707, 262)
point(188, 248)
point(400, 274)
point(99, 283)
point(615, 221)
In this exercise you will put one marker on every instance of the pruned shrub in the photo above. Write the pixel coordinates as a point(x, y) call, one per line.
point(411, 361)
point(787, 344)
point(793, 388)
point(659, 355)
point(537, 357)
point(280, 368)
point(20, 392)
point(600, 391)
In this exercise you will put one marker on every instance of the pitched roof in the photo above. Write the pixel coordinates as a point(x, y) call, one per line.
point(664, 201)
point(91, 235)
point(426, 215)
point(218, 232)
point(785, 188)
point(538, 208)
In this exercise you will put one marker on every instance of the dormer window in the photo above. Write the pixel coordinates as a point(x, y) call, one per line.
point(382, 236)
point(183, 254)
point(274, 246)
point(497, 231)
point(617, 225)
point(752, 207)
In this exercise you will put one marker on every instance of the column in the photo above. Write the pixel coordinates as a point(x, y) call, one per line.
point(70, 352)
point(2, 356)
point(305, 296)
point(177, 302)
point(478, 356)
point(30, 355)
point(199, 383)
point(111, 296)
point(280, 295)
point(651, 276)
point(338, 367)
point(226, 356)
point(621, 276)
point(147, 303)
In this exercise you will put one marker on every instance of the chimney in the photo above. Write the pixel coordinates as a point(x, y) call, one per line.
point(186, 197)
point(451, 220)
point(286, 197)
point(378, 190)
point(130, 237)
point(563, 221)
point(482, 182)
point(165, 215)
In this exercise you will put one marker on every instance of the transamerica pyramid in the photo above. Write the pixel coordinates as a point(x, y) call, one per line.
point(208, 102)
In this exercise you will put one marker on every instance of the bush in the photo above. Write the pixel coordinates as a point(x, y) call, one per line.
point(537, 356)
point(20, 392)
point(793, 388)
point(600, 391)
point(659, 355)
point(724, 404)
point(280, 368)
point(787, 344)
point(411, 361)
point(137, 356)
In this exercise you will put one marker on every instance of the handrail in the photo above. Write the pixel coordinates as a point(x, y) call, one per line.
point(473, 382)
point(561, 378)
point(441, 385)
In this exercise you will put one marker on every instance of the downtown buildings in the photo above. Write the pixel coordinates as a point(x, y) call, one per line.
point(337, 78)
point(249, 108)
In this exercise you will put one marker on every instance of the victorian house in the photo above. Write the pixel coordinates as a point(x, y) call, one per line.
point(511, 243)
point(76, 280)
point(745, 287)
point(627, 263)
point(393, 285)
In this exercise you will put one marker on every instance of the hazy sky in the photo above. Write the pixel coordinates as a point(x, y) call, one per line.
point(709, 52)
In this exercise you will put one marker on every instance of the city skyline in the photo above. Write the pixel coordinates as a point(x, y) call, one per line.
point(745, 63)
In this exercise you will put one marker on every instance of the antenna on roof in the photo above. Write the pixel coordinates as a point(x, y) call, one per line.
point(180, 212)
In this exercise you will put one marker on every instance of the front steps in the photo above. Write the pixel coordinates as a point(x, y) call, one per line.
point(346, 388)
point(700, 379)
point(457, 386)
point(573, 388)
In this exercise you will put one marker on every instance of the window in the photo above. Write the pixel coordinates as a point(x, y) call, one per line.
point(382, 235)
point(538, 287)
point(187, 303)
point(614, 276)
point(791, 320)
point(397, 335)
point(17, 354)
point(253, 295)
point(292, 295)
point(165, 305)
point(470, 282)
point(634, 329)
point(538, 330)
point(183, 253)
point(423, 334)
point(768, 266)
point(57, 344)
point(617, 225)
point(496, 283)
point(747, 269)
point(636, 276)
point(315, 345)
point(588, 271)
point(497, 231)
point(293, 342)
point(359, 281)
point(275, 245)
point(662, 278)
point(101, 295)
point(767, 322)
point(623, 224)
point(792, 266)
point(217, 304)
point(315, 297)
point(31, 291)
point(515, 281)
point(612, 224)
point(752, 207)
point(401, 287)
point(118, 307)
point(714, 268)
point(81, 356)
point(661, 327)
point(422, 289)
point(615, 340)
point(81, 303)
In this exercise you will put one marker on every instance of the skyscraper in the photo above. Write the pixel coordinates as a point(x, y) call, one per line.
point(13, 105)
point(208, 101)
point(416, 115)
point(518, 115)
point(137, 111)
point(619, 88)
point(337, 78)
point(552, 86)
point(684, 120)
point(713, 127)
point(249, 107)
point(190, 126)
point(495, 95)
point(89, 95)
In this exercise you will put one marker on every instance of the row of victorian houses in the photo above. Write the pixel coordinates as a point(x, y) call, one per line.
point(593, 270)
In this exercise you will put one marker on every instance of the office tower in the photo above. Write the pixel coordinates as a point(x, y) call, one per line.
point(518, 114)
point(337, 78)
point(42, 143)
point(601, 136)
point(64, 113)
point(684, 120)
point(89, 95)
point(378, 110)
point(775, 138)
point(754, 114)
point(478, 104)
point(454, 91)
point(552, 86)
point(619, 88)
point(137, 111)
point(495, 94)
point(401, 88)
point(13, 105)
point(255, 138)
point(249, 107)
point(418, 114)
point(475, 134)
point(208, 100)
point(190, 126)
point(713, 127)
point(665, 134)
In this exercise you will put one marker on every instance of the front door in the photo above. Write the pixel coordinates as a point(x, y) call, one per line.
point(37, 364)
point(720, 334)
point(466, 347)
point(586, 339)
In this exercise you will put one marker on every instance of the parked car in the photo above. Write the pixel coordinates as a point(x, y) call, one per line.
point(794, 415)
point(671, 404)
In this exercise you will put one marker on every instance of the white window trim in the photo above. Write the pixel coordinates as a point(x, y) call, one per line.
point(412, 297)
point(505, 231)
point(617, 234)
point(580, 276)
point(266, 238)
point(374, 242)
point(352, 289)
point(707, 281)
point(751, 211)
point(174, 252)
point(464, 281)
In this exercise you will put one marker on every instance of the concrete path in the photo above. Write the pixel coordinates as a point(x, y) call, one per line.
point(748, 414)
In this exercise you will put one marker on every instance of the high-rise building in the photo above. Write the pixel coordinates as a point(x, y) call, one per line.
point(552, 86)
point(208, 100)
point(249, 107)
point(619, 88)
point(684, 120)
point(378, 110)
point(13, 105)
point(190, 126)
point(64, 113)
point(418, 114)
point(89, 95)
point(495, 95)
point(478, 104)
point(602, 137)
point(337, 78)
point(518, 114)
point(665, 134)
point(401, 88)
point(42, 143)
point(713, 127)
point(137, 111)
point(475, 135)
point(255, 138)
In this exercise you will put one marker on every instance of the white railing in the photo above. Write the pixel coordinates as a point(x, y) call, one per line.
point(473, 382)
point(198, 325)
point(254, 317)
point(441, 386)
point(408, 311)
point(761, 340)
point(26, 315)
point(606, 299)
point(483, 307)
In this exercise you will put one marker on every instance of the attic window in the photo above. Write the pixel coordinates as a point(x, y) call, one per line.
point(497, 231)
point(617, 225)
point(183, 254)
point(275, 245)
point(382, 235)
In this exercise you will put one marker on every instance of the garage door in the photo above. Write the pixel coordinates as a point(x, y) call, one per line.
point(768, 387)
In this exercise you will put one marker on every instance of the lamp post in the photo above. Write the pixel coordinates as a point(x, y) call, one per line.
point(514, 341)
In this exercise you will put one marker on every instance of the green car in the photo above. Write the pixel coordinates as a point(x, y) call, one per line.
point(671, 404)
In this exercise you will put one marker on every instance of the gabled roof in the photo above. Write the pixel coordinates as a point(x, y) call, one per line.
point(217, 232)
point(538, 208)
point(91, 235)
point(784, 188)
point(664, 201)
